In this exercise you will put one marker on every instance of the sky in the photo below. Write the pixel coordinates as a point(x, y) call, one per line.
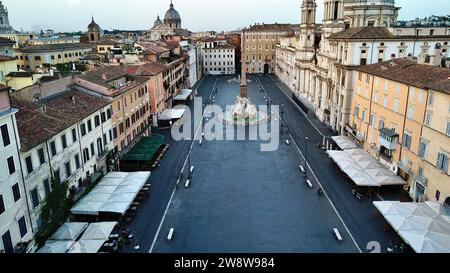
point(197, 15)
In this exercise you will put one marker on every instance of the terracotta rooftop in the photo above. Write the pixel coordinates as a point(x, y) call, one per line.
point(146, 69)
point(363, 33)
point(6, 58)
point(274, 27)
point(105, 75)
point(55, 47)
point(410, 72)
point(36, 126)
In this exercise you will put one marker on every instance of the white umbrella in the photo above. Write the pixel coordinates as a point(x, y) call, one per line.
point(115, 207)
point(86, 208)
point(112, 181)
point(99, 231)
point(396, 221)
point(103, 190)
point(383, 206)
point(353, 152)
point(56, 247)
point(363, 179)
point(69, 231)
point(416, 224)
point(87, 246)
point(424, 211)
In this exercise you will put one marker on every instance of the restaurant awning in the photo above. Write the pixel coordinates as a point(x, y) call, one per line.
point(344, 142)
point(52, 246)
point(69, 231)
point(99, 231)
point(422, 226)
point(363, 169)
point(112, 196)
point(86, 246)
point(171, 114)
point(184, 94)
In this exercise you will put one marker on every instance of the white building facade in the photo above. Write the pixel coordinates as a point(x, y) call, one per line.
point(15, 226)
point(74, 154)
point(325, 75)
point(218, 59)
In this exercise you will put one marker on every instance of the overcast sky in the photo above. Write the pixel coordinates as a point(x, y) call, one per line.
point(197, 15)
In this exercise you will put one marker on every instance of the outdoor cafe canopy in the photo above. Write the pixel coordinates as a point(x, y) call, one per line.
point(424, 226)
point(183, 95)
point(172, 114)
point(114, 194)
point(344, 142)
point(363, 169)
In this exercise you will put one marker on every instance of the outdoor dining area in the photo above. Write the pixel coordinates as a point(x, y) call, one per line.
point(425, 227)
point(117, 197)
point(82, 237)
point(361, 168)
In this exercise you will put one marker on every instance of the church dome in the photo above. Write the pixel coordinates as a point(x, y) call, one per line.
point(93, 25)
point(157, 22)
point(172, 16)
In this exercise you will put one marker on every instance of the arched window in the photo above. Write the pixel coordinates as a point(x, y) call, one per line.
point(92, 37)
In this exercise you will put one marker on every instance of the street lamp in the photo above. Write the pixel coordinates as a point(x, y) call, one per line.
point(306, 155)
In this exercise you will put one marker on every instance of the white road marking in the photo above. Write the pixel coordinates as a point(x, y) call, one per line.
point(182, 171)
point(320, 184)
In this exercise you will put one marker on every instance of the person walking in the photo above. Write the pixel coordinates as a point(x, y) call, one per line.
point(320, 192)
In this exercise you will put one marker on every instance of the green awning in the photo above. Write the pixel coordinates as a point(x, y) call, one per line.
point(144, 149)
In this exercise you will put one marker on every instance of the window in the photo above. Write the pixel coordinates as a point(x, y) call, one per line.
point(356, 112)
point(22, 227)
point(86, 155)
point(97, 121)
point(375, 96)
point(77, 161)
point(35, 198)
point(108, 113)
point(428, 116)
point(89, 125)
point(83, 129)
point(447, 128)
point(64, 141)
point(53, 148)
point(407, 140)
point(363, 117)
point(2, 205)
point(11, 166)
point(29, 164)
point(396, 105)
point(372, 120)
point(37, 58)
point(381, 123)
point(442, 161)
point(423, 148)
point(5, 135)
point(57, 176)
point(47, 187)
point(68, 169)
point(384, 101)
point(430, 99)
point(74, 134)
point(410, 113)
point(16, 192)
point(41, 156)
point(92, 149)
point(103, 115)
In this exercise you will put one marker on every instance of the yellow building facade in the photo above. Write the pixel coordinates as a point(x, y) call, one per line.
point(259, 45)
point(391, 120)
point(32, 57)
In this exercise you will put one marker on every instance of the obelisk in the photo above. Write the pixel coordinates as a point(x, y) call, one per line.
point(244, 93)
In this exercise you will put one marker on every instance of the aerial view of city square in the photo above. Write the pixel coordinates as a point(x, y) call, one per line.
point(212, 127)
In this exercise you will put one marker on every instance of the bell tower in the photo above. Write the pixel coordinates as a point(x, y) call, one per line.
point(307, 29)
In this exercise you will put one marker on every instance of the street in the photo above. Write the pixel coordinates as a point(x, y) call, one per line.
point(244, 200)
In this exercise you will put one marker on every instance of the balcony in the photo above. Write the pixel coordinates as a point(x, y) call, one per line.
point(388, 138)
